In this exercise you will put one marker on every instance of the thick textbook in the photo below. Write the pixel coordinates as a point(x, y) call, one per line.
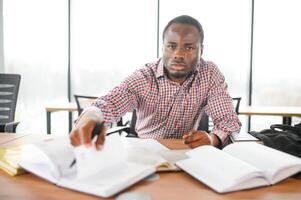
point(100, 173)
point(9, 158)
point(239, 166)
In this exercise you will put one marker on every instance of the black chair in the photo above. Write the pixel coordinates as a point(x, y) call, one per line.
point(9, 89)
point(82, 102)
point(205, 123)
point(236, 101)
point(129, 130)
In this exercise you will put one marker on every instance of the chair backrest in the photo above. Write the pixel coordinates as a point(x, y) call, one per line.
point(83, 101)
point(133, 132)
point(9, 89)
point(236, 103)
point(204, 123)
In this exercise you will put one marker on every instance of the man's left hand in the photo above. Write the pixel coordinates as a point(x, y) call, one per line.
point(198, 138)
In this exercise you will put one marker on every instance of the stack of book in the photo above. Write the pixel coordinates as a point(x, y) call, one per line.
point(9, 158)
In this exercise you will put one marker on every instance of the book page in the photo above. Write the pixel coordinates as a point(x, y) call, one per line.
point(172, 156)
point(111, 180)
point(275, 164)
point(144, 156)
point(60, 152)
point(37, 162)
point(242, 136)
point(218, 170)
point(149, 144)
point(91, 161)
point(150, 151)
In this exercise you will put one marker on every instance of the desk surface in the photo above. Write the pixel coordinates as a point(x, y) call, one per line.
point(247, 110)
point(70, 107)
point(287, 111)
point(171, 185)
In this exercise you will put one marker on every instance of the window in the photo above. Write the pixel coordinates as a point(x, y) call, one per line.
point(110, 41)
point(276, 57)
point(35, 46)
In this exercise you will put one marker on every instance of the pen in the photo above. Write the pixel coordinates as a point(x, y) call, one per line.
point(195, 127)
point(95, 132)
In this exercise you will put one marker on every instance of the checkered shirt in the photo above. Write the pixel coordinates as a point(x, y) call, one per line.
point(166, 109)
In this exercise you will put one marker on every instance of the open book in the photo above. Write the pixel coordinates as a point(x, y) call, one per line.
point(150, 151)
point(101, 173)
point(239, 166)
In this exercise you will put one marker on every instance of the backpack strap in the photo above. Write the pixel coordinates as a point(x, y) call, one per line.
point(294, 129)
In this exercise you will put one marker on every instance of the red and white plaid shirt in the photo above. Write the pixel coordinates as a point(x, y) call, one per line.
point(166, 109)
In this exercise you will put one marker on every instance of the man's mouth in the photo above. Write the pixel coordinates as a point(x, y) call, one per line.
point(178, 66)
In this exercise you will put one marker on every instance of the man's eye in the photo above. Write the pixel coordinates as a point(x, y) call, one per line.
point(189, 48)
point(171, 46)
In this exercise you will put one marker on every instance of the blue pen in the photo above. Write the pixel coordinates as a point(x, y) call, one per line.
point(95, 132)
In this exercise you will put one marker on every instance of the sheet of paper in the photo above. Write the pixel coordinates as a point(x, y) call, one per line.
point(149, 144)
point(174, 156)
point(90, 161)
point(144, 156)
point(150, 151)
point(58, 152)
point(242, 136)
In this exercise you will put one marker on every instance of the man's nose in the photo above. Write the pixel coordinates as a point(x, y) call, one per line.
point(179, 54)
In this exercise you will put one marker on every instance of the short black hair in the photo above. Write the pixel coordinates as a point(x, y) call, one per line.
point(185, 19)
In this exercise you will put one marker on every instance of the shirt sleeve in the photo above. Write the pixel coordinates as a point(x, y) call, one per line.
point(121, 99)
point(220, 107)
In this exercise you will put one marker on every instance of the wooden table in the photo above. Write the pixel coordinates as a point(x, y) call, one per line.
point(171, 185)
point(68, 107)
point(286, 112)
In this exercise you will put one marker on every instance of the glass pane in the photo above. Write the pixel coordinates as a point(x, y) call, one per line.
point(35, 46)
point(110, 41)
point(276, 57)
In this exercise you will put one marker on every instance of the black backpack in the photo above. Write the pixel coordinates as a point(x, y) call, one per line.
point(282, 137)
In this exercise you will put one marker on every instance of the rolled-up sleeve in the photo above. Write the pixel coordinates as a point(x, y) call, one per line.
point(220, 107)
point(121, 99)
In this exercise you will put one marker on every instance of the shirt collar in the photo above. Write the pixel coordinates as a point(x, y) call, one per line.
point(160, 69)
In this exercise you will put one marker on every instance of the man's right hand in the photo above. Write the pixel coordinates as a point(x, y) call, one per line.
point(82, 131)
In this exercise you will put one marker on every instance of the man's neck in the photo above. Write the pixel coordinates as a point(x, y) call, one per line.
point(180, 81)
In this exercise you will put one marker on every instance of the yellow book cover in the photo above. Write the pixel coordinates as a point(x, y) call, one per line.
point(9, 158)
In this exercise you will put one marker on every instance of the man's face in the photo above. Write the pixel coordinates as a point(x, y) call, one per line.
point(181, 51)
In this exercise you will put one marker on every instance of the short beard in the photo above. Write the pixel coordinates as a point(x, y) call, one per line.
point(176, 75)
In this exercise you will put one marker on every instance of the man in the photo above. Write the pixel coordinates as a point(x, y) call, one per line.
point(168, 95)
